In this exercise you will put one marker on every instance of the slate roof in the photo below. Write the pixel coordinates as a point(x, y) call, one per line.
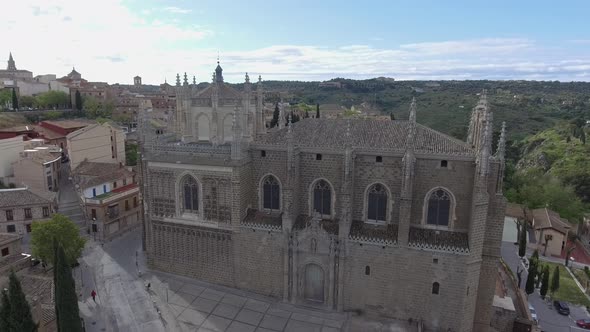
point(224, 92)
point(366, 134)
point(90, 174)
point(24, 196)
point(545, 218)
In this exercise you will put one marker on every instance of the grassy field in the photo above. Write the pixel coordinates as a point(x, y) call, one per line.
point(568, 290)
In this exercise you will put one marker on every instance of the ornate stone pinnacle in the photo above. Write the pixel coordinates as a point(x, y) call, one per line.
point(289, 123)
point(185, 82)
point(413, 110)
point(194, 80)
point(247, 78)
point(501, 150)
point(177, 79)
point(259, 78)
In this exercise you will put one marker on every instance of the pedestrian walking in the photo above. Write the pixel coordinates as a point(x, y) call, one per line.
point(93, 294)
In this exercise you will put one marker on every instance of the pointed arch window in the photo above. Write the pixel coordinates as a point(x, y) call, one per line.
point(322, 197)
point(377, 203)
point(439, 208)
point(190, 193)
point(271, 193)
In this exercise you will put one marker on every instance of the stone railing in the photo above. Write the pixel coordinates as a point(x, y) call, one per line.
point(383, 235)
point(438, 240)
point(188, 148)
point(263, 221)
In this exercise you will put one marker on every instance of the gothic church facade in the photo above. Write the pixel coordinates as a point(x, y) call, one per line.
point(387, 217)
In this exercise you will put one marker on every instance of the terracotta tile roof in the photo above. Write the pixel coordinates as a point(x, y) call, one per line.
point(545, 218)
point(20, 129)
point(366, 134)
point(90, 174)
point(68, 124)
point(224, 92)
point(46, 132)
point(25, 196)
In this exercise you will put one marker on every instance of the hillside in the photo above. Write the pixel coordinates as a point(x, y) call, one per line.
point(526, 106)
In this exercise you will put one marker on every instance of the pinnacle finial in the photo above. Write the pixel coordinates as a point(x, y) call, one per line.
point(501, 150)
point(247, 78)
point(177, 79)
point(413, 110)
point(194, 80)
point(185, 81)
point(289, 123)
point(259, 78)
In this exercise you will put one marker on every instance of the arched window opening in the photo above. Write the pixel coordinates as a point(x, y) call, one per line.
point(439, 208)
point(190, 189)
point(377, 203)
point(435, 288)
point(322, 198)
point(271, 193)
point(367, 270)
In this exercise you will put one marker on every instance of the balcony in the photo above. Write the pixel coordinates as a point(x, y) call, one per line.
point(373, 234)
point(439, 240)
point(114, 195)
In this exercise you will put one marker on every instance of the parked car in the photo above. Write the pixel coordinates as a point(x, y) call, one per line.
point(562, 307)
point(583, 323)
point(533, 314)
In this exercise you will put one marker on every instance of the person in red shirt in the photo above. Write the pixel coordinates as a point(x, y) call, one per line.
point(93, 294)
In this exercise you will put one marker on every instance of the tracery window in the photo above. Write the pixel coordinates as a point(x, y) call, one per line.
point(439, 208)
point(322, 198)
point(190, 191)
point(377, 203)
point(271, 193)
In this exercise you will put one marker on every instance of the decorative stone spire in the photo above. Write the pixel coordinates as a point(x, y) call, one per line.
point(259, 78)
point(218, 73)
point(289, 124)
point(177, 79)
point(412, 117)
point(236, 144)
point(281, 118)
point(483, 157)
point(185, 81)
point(501, 150)
point(247, 79)
point(477, 123)
point(194, 80)
point(11, 64)
point(347, 151)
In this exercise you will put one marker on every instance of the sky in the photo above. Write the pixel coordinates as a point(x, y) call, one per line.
point(115, 40)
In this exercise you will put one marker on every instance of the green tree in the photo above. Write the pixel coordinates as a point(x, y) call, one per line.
point(64, 231)
point(583, 136)
point(522, 239)
point(391, 116)
point(545, 282)
point(554, 287)
point(78, 101)
point(21, 318)
point(66, 301)
point(5, 312)
point(27, 101)
point(131, 154)
point(14, 100)
point(5, 98)
point(52, 99)
point(275, 116)
point(530, 280)
point(317, 111)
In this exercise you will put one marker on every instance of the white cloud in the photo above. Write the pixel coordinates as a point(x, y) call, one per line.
point(176, 10)
point(106, 41)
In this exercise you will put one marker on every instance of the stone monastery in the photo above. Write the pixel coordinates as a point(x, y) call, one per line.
point(387, 217)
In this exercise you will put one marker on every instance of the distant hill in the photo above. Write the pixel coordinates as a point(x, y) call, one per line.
point(526, 106)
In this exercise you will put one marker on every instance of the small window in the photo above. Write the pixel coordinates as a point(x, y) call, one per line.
point(435, 288)
point(28, 227)
point(435, 261)
point(115, 184)
point(125, 181)
point(262, 153)
point(126, 205)
point(104, 188)
point(5, 252)
point(10, 228)
point(9, 215)
point(318, 156)
point(444, 163)
point(93, 213)
point(93, 192)
point(367, 270)
point(379, 159)
point(28, 213)
point(135, 201)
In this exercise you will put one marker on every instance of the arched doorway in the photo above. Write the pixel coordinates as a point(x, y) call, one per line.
point(314, 283)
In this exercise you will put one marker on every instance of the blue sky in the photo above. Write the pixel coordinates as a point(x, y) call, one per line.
point(115, 40)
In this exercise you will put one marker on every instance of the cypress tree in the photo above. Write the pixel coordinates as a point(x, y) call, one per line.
point(78, 101)
point(4, 312)
point(317, 111)
point(555, 281)
point(391, 116)
point(275, 116)
point(545, 284)
point(583, 137)
point(66, 304)
point(21, 318)
point(522, 240)
point(14, 100)
point(530, 280)
point(306, 114)
point(535, 255)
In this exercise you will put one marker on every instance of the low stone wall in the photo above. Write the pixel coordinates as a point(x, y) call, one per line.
point(17, 264)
